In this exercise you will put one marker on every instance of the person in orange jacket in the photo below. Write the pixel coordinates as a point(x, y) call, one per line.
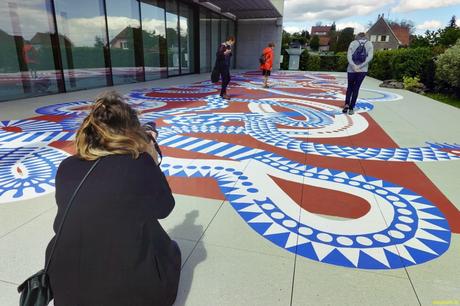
point(266, 62)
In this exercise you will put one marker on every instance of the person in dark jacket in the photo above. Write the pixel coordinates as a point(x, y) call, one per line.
point(112, 250)
point(223, 62)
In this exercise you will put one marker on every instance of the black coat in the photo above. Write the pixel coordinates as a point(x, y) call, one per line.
point(113, 251)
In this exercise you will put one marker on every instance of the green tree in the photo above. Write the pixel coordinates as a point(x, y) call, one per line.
point(305, 34)
point(299, 36)
point(314, 43)
point(346, 36)
point(449, 36)
point(447, 68)
point(453, 22)
point(99, 42)
point(419, 41)
point(333, 27)
point(409, 24)
point(286, 39)
point(333, 39)
point(303, 63)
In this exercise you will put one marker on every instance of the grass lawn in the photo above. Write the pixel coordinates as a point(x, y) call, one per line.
point(444, 98)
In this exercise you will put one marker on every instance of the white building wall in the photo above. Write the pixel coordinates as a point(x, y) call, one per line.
point(253, 36)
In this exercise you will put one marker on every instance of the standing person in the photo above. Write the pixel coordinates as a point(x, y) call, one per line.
point(360, 54)
point(223, 62)
point(266, 62)
point(112, 250)
point(30, 55)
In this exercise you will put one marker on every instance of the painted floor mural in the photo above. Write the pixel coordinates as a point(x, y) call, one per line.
point(328, 186)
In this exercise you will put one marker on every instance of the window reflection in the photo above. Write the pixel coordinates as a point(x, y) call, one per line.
point(205, 41)
point(154, 39)
point(172, 35)
point(231, 32)
point(186, 38)
point(83, 40)
point(26, 54)
point(215, 36)
point(96, 43)
point(125, 41)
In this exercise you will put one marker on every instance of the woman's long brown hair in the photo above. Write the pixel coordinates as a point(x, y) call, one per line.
point(112, 127)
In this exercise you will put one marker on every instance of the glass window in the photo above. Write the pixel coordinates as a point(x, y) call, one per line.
point(186, 39)
point(224, 29)
point(215, 36)
point(231, 32)
point(125, 41)
point(172, 36)
point(154, 39)
point(205, 41)
point(83, 42)
point(27, 55)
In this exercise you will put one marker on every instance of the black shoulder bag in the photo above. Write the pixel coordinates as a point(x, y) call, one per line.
point(36, 290)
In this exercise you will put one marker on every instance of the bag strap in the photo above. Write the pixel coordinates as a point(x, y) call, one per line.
point(58, 233)
point(157, 148)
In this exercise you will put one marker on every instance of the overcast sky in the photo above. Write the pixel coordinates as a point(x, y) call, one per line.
point(426, 14)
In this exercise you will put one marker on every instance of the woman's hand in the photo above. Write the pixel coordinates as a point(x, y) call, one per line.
point(151, 148)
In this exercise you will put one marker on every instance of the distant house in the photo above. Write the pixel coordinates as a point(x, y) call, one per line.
point(44, 39)
point(323, 32)
point(120, 41)
point(388, 37)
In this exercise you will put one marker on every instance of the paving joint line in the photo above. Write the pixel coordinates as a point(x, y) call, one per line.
point(27, 222)
point(209, 224)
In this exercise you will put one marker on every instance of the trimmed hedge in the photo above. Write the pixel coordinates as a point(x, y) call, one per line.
point(328, 63)
point(303, 62)
point(396, 64)
point(342, 61)
point(314, 63)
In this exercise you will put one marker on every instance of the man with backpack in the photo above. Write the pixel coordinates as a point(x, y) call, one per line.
point(266, 62)
point(360, 54)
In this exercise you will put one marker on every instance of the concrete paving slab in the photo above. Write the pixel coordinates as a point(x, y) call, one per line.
point(222, 276)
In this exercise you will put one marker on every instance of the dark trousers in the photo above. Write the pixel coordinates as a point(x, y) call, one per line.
point(355, 79)
point(225, 77)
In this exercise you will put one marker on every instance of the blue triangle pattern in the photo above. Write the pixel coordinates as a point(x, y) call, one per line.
point(396, 261)
point(368, 262)
point(420, 256)
point(307, 250)
point(335, 257)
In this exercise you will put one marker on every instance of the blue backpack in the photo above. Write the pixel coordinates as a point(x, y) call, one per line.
point(360, 54)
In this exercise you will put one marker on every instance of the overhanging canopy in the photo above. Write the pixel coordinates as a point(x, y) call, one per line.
point(246, 9)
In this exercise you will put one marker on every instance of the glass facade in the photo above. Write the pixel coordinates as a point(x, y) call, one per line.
point(172, 37)
point(187, 31)
point(205, 41)
point(154, 39)
point(83, 39)
point(51, 46)
point(215, 36)
point(27, 51)
point(125, 41)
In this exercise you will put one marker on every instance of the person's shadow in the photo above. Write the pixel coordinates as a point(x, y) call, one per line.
point(190, 260)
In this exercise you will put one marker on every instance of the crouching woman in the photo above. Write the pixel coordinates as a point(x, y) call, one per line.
point(112, 250)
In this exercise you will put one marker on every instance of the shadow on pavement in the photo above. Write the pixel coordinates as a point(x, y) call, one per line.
point(197, 255)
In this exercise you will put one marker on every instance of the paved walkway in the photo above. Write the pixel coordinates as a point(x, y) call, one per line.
point(281, 199)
